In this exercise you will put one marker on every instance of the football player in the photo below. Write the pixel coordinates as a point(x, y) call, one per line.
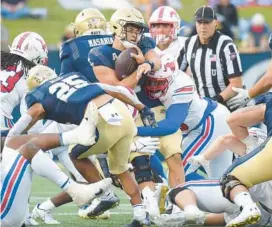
point(127, 26)
point(90, 28)
point(62, 101)
point(201, 120)
point(21, 156)
point(254, 168)
point(188, 195)
point(27, 50)
point(90, 31)
point(164, 27)
point(197, 197)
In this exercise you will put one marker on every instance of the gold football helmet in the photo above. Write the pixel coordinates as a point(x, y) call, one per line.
point(91, 20)
point(38, 75)
point(123, 17)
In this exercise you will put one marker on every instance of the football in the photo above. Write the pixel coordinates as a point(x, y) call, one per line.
point(125, 64)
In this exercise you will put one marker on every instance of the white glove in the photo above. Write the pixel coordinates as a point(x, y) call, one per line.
point(147, 145)
point(240, 100)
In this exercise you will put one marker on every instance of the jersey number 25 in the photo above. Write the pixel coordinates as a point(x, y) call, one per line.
point(66, 87)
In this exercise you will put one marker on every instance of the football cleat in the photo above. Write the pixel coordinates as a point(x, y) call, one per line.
point(30, 221)
point(170, 220)
point(150, 202)
point(249, 215)
point(100, 205)
point(83, 213)
point(44, 215)
point(83, 194)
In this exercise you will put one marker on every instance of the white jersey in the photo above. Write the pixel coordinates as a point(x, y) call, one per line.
point(183, 90)
point(174, 48)
point(210, 199)
point(13, 87)
point(205, 121)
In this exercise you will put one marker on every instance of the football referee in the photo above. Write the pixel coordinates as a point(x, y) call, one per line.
point(212, 58)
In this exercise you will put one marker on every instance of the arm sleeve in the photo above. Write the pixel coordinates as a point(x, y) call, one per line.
point(21, 125)
point(175, 116)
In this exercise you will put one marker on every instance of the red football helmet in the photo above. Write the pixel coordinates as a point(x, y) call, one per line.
point(157, 83)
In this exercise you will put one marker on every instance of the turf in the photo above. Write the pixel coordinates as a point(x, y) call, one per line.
point(67, 214)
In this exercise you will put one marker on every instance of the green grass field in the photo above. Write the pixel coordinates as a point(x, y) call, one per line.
point(43, 189)
point(52, 28)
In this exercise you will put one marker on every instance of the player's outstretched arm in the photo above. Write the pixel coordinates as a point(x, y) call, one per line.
point(27, 120)
point(125, 95)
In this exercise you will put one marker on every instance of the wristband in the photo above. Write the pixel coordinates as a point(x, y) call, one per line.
point(219, 99)
point(152, 65)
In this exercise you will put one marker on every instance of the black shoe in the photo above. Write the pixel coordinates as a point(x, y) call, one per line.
point(134, 223)
point(103, 206)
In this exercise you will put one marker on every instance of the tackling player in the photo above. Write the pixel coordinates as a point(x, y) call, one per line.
point(200, 120)
point(65, 99)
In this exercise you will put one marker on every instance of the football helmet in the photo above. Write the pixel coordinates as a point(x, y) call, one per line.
point(90, 22)
point(157, 83)
point(38, 75)
point(30, 46)
point(123, 17)
point(164, 15)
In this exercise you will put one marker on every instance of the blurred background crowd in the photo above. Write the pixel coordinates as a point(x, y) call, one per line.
point(248, 22)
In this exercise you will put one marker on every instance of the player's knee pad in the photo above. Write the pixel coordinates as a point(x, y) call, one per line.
point(174, 192)
point(142, 169)
point(228, 182)
point(78, 150)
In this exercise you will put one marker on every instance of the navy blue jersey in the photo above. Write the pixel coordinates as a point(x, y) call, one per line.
point(74, 54)
point(107, 55)
point(65, 98)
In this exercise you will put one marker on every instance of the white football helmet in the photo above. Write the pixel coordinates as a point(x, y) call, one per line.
point(90, 22)
point(157, 83)
point(38, 75)
point(164, 15)
point(123, 17)
point(30, 46)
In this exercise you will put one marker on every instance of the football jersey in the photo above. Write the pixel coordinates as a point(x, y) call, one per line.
point(107, 55)
point(174, 48)
point(13, 87)
point(65, 98)
point(182, 90)
point(74, 54)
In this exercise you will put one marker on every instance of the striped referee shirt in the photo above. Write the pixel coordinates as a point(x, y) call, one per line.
point(211, 65)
